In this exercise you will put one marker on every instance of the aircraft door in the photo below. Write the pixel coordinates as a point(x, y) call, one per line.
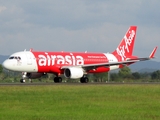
point(29, 58)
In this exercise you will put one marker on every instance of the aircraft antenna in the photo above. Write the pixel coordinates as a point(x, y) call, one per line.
point(31, 49)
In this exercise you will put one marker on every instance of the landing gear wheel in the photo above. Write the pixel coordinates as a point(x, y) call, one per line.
point(57, 79)
point(22, 81)
point(84, 80)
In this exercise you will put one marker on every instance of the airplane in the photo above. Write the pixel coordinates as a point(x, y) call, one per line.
point(74, 65)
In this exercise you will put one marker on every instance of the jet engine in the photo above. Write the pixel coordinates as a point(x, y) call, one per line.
point(73, 72)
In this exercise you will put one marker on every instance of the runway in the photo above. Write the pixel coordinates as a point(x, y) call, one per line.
point(74, 83)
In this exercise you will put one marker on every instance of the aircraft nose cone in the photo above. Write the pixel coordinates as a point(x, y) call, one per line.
point(6, 64)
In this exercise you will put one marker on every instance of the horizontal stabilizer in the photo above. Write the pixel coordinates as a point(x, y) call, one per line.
point(151, 56)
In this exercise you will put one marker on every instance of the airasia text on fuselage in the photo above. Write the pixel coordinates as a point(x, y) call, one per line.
point(50, 60)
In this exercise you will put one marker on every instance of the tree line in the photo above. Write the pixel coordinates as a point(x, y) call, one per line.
point(123, 75)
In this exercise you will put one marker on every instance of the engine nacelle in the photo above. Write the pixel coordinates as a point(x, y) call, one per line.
point(34, 75)
point(73, 72)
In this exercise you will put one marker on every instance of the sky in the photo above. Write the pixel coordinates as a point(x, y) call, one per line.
point(78, 25)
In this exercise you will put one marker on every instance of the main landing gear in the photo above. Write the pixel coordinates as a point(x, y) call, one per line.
point(84, 79)
point(57, 79)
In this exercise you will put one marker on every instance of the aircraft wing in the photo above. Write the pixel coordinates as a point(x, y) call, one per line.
point(110, 64)
point(91, 66)
point(128, 61)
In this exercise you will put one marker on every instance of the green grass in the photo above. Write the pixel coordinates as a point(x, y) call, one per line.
point(80, 102)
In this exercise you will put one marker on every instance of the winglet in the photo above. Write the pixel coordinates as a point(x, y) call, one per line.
point(152, 53)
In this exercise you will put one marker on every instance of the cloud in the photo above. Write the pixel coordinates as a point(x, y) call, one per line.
point(2, 8)
point(77, 25)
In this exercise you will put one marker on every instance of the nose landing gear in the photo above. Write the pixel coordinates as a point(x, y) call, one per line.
point(22, 80)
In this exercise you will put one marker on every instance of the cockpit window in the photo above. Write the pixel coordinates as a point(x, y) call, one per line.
point(15, 57)
point(11, 57)
point(19, 58)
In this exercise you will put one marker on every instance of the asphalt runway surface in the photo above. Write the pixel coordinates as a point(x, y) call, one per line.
point(76, 83)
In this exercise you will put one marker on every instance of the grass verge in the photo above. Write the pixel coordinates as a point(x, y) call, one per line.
point(80, 102)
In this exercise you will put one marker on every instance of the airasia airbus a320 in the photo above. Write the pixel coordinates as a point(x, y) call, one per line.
point(74, 65)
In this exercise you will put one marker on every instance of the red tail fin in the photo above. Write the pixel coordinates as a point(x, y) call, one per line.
point(125, 48)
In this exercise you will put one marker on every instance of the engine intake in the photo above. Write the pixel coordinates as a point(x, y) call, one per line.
point(73, 72)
